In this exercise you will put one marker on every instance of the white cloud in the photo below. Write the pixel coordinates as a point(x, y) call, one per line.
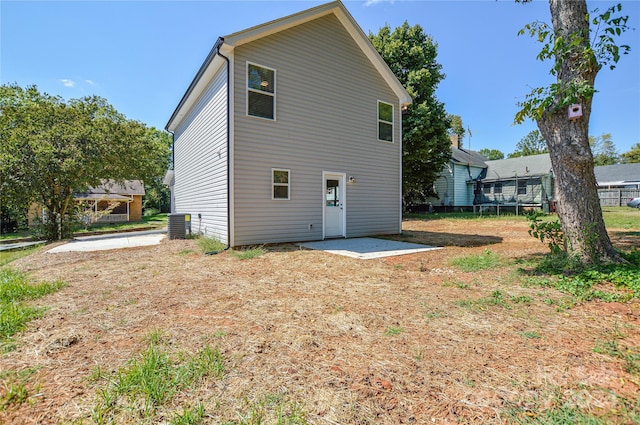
point(68, 83)
point(90, 82)
point(372, 2)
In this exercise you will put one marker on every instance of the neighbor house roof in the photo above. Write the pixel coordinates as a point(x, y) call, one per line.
point(465, 156)
point(225, 45)
point(129, 187)
point(617, 174)
point(523, 166)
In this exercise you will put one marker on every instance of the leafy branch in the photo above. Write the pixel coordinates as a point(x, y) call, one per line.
point(582, 53)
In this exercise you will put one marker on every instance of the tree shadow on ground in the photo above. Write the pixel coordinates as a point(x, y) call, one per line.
point(625, 241)
point(445, 239)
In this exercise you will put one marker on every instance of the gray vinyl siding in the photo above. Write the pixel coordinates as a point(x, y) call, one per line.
point(327, 96)
point(200, 161)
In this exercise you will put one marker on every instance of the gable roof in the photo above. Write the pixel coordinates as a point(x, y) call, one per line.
point(464, 156)
point(523, 166)
point(129, 187)
point(617, 174)
point(225, 45)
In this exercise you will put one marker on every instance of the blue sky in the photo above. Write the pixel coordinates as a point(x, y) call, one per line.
point(142, 55)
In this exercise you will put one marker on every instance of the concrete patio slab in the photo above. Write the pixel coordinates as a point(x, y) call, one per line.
point(367, 248)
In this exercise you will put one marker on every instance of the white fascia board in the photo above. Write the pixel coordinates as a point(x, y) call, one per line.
point(272, 27)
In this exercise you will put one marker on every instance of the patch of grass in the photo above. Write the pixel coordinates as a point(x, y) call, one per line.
point(563, 411)
point(14, 390)
point(497, 299)
point(621, 218)
point(15, 235)
point(14, 313)
point(609, 283)
point(393, 331)
point(611, 347)
point(558, 416)
point(8, 256)
point(207, 244)
point(629, 355)
point(189, 416)
point(486, 260)
point(521, 299)
point(272, 409)
point(530, 335)
point(430, 313)
point(153, 220)
point(151, 380)
point(250, 253)
point(466, 216)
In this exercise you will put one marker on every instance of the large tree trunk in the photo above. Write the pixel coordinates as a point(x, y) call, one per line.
point(578, 205)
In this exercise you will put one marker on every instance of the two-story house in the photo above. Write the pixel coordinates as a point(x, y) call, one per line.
point(291, 131)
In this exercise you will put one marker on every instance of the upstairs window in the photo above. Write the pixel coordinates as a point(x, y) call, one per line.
point(497, 188)
point(385, 122)
point(280, 183)
point(486, 188)
point(261, 91)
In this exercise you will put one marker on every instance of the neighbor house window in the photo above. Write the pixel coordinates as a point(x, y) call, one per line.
point(385, 121)
point(522, 187)
point(497, 188)
point(486, 188)
point(280, 183)
point(261, 91)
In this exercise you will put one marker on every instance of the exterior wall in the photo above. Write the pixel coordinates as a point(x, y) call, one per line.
point(135, 208)
point(326, 120)
point(200, 155)
point(444, 187)
point(539, 189)
point(463, 188)
point(35, 214)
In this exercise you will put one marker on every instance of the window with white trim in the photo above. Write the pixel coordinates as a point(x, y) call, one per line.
point(522, 187)
point(280, 183)
point(385, 121)
point(261, 91)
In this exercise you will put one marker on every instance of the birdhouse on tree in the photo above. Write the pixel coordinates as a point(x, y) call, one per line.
point(575, 111)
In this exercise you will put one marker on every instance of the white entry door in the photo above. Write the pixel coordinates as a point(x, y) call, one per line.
point(334, 205)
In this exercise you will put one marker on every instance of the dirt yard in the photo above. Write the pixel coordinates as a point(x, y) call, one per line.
point(345, 341)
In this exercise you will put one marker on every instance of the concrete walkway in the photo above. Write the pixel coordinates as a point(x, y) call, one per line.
point(367, 248)
point(111, 241)
point(19, 245)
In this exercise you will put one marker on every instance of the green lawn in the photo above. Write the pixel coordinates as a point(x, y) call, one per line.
point(155, 221)
point(614, 217)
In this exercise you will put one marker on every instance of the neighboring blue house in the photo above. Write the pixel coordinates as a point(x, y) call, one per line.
point(458, 180)
point(471, 180)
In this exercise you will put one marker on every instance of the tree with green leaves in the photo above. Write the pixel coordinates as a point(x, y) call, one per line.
point(604, 150)
point(491, 154)
point(51, 149)
point(531, 144)
point(580, 44)
point(457, 128)
point(632, 156)
point(411, 55)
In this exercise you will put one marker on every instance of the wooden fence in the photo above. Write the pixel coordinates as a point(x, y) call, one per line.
point(617, 197)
